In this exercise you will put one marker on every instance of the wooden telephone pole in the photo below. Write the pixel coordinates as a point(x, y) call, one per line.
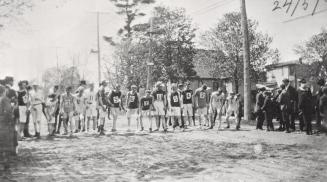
point(98, 45)
point(246, 58)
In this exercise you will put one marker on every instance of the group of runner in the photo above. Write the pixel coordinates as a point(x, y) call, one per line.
point(87, 110)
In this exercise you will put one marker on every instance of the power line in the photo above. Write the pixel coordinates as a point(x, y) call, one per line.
point(212, 7)
point(206, 7)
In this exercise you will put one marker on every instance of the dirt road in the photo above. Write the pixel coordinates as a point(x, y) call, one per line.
point(194, 155)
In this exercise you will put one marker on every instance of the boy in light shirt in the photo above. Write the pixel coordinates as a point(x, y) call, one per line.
point(91, 110)
point(80, 110)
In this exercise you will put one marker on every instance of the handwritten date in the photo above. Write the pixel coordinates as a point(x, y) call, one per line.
point(293, 5)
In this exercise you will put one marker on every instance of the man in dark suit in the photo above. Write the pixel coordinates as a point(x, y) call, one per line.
point(321, 82)
point(260, 99)
point(305, 107)
point(294, 100)
point(323, 109)
point(285, 104)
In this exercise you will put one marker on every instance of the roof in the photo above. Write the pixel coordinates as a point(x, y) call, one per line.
point(282, 64)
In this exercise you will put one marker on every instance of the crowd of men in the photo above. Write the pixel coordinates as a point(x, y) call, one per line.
point(287, 104)
point(86, 110)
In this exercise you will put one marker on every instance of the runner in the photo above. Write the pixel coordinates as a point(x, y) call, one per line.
point(67, 109)
point(36, 108)
point(22, 107)
point(201, 97)
point(217, 102)
point(50, 112)
point(159, 103)
point(57, 117)
point(102, 106)
point(91, 111)
point(115, 105)
point(80, 110)
point(231, 107)
point(187, 98)
point(146, 105)
point(175, 105)
point(132, 103)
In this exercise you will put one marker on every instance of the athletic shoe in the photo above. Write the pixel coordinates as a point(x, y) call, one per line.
point(150, 130)
point(113, 130)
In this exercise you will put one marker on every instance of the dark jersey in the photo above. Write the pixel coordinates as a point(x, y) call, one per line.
point(115, 98)
point(175, 99)
point(101, 95)
point(187, 96)
point(158, 95)
point(146, 103)
point(22, 97)
point(11, 94)
point(133, 100)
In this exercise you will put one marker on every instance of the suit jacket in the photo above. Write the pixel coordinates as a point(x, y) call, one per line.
point(293, 98)
point(323, 105)
point(305, 101)
point(284, 101)
point(260, 99)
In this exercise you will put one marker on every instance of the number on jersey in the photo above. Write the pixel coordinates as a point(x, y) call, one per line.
point(188, 95)
point(131, 98)
point(159, 96)
point(202, 95)
point(175, 98)
point(116, 99)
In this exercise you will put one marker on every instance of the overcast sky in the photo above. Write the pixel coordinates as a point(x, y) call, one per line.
point(32, 42)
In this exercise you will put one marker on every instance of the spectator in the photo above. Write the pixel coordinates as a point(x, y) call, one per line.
point(258, 105)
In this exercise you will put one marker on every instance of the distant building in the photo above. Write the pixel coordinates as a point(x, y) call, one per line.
point(293, 70)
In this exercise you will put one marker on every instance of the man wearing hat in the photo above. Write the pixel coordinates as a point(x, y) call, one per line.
point(132, 103)
point(321, 83)
point(268, 109)
point(258, 108)
point(305, 106)
point(285, 105)
point(294, 100)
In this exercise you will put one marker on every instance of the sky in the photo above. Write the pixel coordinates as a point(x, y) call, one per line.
point(60, 31)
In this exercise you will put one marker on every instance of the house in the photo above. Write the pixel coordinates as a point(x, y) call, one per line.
point(292, 70)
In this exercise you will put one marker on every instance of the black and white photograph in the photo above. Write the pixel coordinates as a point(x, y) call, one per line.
point(163, 90)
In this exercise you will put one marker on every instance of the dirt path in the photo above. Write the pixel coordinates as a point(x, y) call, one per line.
point(194, 155)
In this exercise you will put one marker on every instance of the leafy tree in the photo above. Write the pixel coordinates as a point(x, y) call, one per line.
point(131, 10)
point(173, 44)
point(314, 53)
point(63, 76)
point(226, 39)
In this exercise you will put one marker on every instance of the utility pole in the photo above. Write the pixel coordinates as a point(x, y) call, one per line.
point(149, 63)
point(246, 59)
point(98, 44)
